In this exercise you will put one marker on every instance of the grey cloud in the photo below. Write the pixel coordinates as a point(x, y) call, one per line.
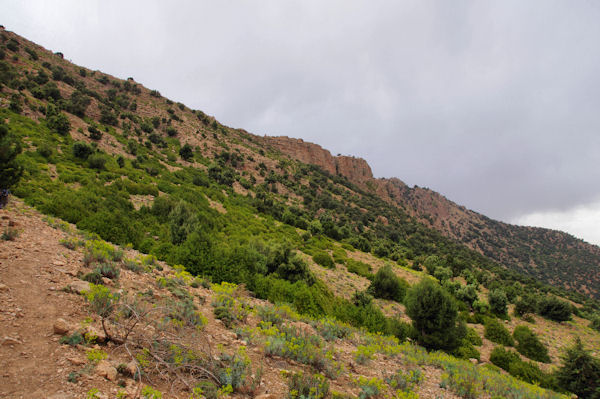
point(495, 105)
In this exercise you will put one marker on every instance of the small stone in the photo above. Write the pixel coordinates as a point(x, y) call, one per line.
point(107, 281)
point(58, 263)
point(10, 341)
point(61, 327)
point(474, 361)
point(3, 287)
point(266, 396)
point(106, 370)
point(76, 361)
point(131, 368)
point(79, 286)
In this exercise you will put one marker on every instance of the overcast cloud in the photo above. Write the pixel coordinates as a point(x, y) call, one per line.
point(494, 104)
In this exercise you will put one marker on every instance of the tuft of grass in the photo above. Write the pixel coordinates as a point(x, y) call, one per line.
point(9, 234)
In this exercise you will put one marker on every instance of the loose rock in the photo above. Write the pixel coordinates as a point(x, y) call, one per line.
point(106, 370)
point(79, 286)
point(61, 327)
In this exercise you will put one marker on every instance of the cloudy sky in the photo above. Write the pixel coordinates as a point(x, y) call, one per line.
point(494, 104)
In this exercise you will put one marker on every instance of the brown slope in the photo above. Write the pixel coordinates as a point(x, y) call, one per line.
point(552, 256)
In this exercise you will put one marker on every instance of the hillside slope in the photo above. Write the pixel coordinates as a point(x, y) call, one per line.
point(184, 232)
point(552, 256)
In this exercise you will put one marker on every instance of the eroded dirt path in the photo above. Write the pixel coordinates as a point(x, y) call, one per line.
point(33, 270)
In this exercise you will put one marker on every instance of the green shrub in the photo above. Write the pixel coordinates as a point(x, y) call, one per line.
point(473, 337)
point(360, 268)
point(10, 169)
point(579, 372)
point(82, 150)
point(496, 332)
point(93, 277)
point(186, 152)
point(529, 345)
point(554, 309)
point(183, 313)
point(101, 300)
point(527, 304)
point(322, 258)
point(387, 285)
point(307, 386)
point(108, 270)
point(498, 301)
point(74, 339)
point(528, 372)
point(405, 380)
point(59, 123)
point(434, 315)
point(233, 370)
point(97, 161)
point(95, 133)
point(503, 358)
point(595, 322)
point(331, 329)
point(9, 234)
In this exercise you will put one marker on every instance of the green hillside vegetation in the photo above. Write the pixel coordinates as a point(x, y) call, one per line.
point(140, 171)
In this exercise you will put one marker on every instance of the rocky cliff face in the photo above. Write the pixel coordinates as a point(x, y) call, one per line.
point(357, 170)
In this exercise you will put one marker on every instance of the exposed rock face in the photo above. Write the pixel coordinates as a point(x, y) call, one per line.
point(357, 170)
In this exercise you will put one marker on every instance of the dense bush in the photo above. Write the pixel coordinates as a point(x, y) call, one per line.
point(498, 301)
point(503, 357)
point(360, 268)
point(322, 258)
point(579, 372)
point(97, 161)
point(554, 309)
point(10, 169)
point(387, 285)
point(496, 332)
point(306, 386)
point(467, 294)
point(95, 133)
point(595, 322)
point(434, 315)
point(186, 152)
point(59, 123)
point(527, 304)
point(82, 150)
point(529, 345)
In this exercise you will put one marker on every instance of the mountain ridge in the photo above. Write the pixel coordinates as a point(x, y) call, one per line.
point(503, 242)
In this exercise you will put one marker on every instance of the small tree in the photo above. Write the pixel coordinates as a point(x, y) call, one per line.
point(186, 152)
point(496, 332)
point(529, 345)
point(59, 123)
point(387, 285)
point(434, 316)
point(579, 372)
point(595, 322)
point(82, 150)
point(554, 309)
point(527, 304)
point(498, 302)
point(10, 170)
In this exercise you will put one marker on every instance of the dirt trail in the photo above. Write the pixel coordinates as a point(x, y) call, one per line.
point(33, 270)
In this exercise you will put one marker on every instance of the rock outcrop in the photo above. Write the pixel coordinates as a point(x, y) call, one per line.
point(356, 170)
